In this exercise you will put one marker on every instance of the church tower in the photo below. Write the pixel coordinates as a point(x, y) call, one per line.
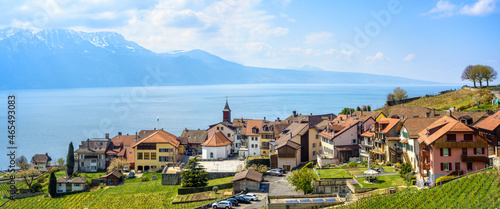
point(226, 113)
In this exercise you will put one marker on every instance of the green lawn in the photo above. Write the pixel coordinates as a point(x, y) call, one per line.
point(138, 179)
point(333, 173)
point(149, 194)
point(387, 169)
point(220, 181)
point(384, 181)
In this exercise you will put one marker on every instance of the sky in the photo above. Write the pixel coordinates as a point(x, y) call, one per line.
point(429, 40)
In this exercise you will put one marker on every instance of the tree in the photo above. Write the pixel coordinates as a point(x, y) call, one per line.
point(302, 180)
point(70, 158)
point(405, 168)
point(347, 111)
point(29, 175)
point(400, 94)
point(390, 97)
point(60, 161)
point(21, 159)
point(468, 75)
point(36, 187)
point(117, 164)
point(23, 166)
point(369, 108)
point(488, 74)
point(52, 184)
point(358, 108)
point(194, 175)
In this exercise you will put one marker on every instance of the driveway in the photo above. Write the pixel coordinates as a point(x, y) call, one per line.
point(278, 185)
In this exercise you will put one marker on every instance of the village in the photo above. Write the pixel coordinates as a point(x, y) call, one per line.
point(342, 154)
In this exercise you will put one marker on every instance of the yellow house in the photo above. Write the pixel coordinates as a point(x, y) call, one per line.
point(156, 150)
point(378, 116)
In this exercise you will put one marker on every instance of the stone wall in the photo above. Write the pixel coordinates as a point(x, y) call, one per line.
point(329, 186)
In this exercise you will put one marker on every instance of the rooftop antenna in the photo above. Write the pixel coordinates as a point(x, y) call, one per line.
point(158, 121)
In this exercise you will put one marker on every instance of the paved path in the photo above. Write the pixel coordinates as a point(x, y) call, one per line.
point(380, 174)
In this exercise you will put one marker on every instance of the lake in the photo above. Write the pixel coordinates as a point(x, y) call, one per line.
point(47, 120)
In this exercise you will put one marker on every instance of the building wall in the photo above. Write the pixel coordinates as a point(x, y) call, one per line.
point(229, 133)
point(293, 162)
point(218, 152)
point(347, 137)
point(456, 153)
point(155, 162)
point(314, 143)
point(42, 167)
point(327, 146)
point(241, 185)
point(88, 164)
point(380, 116)
point(253, 145)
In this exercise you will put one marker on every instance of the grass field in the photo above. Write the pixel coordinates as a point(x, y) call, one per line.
point(473, 191)
point(348, 172)
point(384, 182)
point(149, 194)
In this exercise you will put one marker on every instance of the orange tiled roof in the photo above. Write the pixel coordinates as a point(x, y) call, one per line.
point(415, 125)
point(439, 128)
point(490, 123)
point(253, 124)
point(217, 140)
point(160, 136)
point(391, 124)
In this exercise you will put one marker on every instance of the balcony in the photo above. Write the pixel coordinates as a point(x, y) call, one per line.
point(367, 144)
point(396, 150)
point(364, 153)
point(483, 159)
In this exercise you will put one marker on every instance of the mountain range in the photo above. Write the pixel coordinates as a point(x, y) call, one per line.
point(64, 58)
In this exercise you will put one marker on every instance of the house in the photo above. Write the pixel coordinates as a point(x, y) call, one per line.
point(112, 178)
point(91, 154)
point(183, 145)
point(403, 112)
point(251, 137)
point(376, 115)
point(489, 129)
point(289, 152)
point(195, 139)
point(217, 146)
point(387, 147)
point(41, 162)
point(121, 147)
point(409, 136)
point(156, 151)
point(341, 138)
point(247, 180)
point(66, 184)
point(449, 147)
point(228, 130)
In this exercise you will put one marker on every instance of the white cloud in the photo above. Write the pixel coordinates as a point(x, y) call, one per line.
point(409, 57)
point(442, 9)
point(378, 56)
point(446, 9)
point(318, 38)
point(283, 15)
point(481, 7)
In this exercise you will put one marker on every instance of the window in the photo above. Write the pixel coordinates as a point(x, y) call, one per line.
point(60, 184)
point(82, 164)
point(451, 137)
point(77, 185)
point(314, 153)
point(478, 151)
point(469, 166)
point(317, 136)
point(217, 128)
point(445, 166)
point(163, 158)
point(211, 155)
point(168, 158)
point(468, 137)
point(221, 128)
point(445, 151)
point(464, 151)
point(314, 145)
point(146, 156)
point(457, 166)
point(354, 141)
point(162, 150)
point(153, 156)
point(228, 135)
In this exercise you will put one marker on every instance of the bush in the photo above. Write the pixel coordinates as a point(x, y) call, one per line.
point(352, 164)
point(308, 165)
point(41, 179)
point(145, 178)
point(405, 168)
point(444, 179)
point(36, 187)
point(124, 176)
point(215, 189)
point(408, 176)
point(258, 168)
point(264, 161)
point(153, 170)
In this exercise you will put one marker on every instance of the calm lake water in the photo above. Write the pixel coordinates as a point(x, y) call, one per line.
point(47, 120)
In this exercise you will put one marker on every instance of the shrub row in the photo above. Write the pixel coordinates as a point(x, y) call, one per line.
point(189, 190)
point(264, 161)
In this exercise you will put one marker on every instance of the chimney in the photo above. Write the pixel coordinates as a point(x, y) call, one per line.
point(433, 112)
point(119, 133)
point(278, 119)
point(294, 113)
point(88, 144)
point(311, 113)
point(361, 113)
point(198, 129)
point(450, 112)
point(264, 119)
point(107, 135)
point(154, 129)
point(47, 154)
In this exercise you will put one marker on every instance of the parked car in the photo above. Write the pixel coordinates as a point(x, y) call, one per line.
point(242, 199)
point(233, 201)
point(274, 172)
point(251, 196)
point(222, 204)
point(131, 175)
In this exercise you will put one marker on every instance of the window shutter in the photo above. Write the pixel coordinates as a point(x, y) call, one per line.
point(483, 150)
point(475, 151)
point(442, 166)
point(441, 154)
point(449, 152)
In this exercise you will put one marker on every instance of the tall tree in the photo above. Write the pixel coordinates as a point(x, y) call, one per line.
point(21, 159)
point(369, 108)
point(194, 175)
point(478, 72)
point(390, 97)
point(60, 161)
point(302, 180)
point(52, 184)
point(70, 159)
point(29, 175)
point(400, 94)
point(467, 75)
point(117, 164)
point(489, 74)
point(347, 111)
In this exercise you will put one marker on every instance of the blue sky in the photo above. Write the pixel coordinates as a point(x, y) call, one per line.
point(430, 40)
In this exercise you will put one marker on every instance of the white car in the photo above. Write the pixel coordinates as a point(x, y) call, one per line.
point(223, 204)
point(251, 196)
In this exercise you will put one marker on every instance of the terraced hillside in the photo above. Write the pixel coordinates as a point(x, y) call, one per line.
point(480, 190)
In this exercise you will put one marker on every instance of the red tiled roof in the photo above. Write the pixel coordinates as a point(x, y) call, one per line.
point(490, 123)
point(248, 174)
point(41, 158)
point(441, 127)
point(217, 140)
point(160, 136)
point(415, 125)
point(391, 124)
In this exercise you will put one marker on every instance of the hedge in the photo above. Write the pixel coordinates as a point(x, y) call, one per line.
point(264, 161)
point(189, 190)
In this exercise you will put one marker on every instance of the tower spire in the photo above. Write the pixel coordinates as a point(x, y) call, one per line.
point(226, 113)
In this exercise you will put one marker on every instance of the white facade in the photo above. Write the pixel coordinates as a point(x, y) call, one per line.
point(253, 143)
point(213, 153)
point(411, 148)
point(61, 187)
